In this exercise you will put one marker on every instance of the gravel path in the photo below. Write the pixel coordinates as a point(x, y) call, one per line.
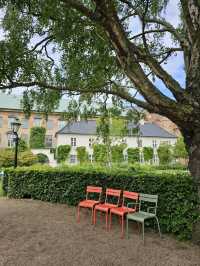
point(39, 233)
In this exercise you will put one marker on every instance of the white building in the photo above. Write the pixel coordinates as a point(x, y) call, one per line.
point(83, 133)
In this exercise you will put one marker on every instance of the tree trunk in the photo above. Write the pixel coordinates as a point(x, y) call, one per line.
point(193, 146)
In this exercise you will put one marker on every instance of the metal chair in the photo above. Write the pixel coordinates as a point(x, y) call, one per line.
point(124, 209)
point(141, 215)
point(106, 206)
point(87, 203)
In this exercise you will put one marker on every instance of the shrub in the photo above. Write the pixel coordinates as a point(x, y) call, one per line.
point(42, 158)
point(177, 193)
point(148, 153)
point(63, 153)
point(100, 153)
point(117, 153)
point(82, 154)
point(22, 145)
point(179, 149)
point(25, 158)
point(165, 154)
point(37, 137)
point(133, 155)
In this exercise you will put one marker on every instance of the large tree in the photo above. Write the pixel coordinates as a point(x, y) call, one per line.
point(89, 47)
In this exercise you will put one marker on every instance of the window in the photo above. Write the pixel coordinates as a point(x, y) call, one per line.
point(73, 142)
point(50, 124)
point(11, 119)
point(139, 143)
point(72, 158)
point(61, 124)
point(1, 121)
point(24, 137)
point(48, 141)
point(25, 123)
point(11, 142)
point(130, 132)
point(90, 142)
point(37, 122)
point(154, 143)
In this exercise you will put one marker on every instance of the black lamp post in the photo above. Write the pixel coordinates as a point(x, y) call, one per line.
point(15, 127)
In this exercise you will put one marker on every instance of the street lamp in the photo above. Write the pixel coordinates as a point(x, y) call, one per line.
point(15, 127)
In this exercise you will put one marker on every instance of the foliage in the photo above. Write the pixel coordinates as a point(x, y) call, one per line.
point(37, 137)
point(63, 153)
point(67, 185)
point(100, 153)
point(117, 153)
point(133, 155)
point(179, 149)
point(82, 154)
point(25, 158)
point(22, 145)
point(42, 158)
point(165, 153)
point(148, 153)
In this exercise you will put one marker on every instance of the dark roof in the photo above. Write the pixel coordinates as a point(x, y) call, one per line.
point(89, 128)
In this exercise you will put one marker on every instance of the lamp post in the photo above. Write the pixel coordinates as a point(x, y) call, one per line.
point(15, 127)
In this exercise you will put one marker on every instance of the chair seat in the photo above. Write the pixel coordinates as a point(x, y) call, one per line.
point(122, 210)
point(140, 216)
point(105, 207)
point(88, 203)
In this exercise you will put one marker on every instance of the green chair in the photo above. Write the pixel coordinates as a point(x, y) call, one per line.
point(140, 216)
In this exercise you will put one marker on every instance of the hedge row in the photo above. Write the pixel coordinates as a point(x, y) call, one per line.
point(177, 193)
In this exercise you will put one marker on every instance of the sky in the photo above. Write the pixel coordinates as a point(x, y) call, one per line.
point(175, 65)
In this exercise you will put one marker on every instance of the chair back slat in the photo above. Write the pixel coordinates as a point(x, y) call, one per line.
point(149, 198)
point(113, 192)
point(91, 189)
point(131, 195)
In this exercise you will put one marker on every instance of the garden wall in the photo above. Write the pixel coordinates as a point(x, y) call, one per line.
point(177, 193)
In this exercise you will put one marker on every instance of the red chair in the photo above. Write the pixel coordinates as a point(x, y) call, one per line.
point(123, 210)
point(87, 203)
point(106, 206)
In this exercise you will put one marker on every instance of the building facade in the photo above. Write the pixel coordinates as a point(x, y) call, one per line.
point(83, 133)
point(10, 109)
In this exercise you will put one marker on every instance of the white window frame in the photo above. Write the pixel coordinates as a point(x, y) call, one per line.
point(73, 142)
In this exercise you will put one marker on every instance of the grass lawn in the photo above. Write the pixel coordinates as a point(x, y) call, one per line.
point(35, 233)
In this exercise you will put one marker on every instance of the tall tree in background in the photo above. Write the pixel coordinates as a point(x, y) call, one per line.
point(89, 47)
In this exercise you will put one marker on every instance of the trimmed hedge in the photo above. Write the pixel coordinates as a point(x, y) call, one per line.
point(177, 193)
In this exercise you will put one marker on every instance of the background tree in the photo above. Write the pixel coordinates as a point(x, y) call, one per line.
point(97, 52)
point(180, 149)
point(165, 154)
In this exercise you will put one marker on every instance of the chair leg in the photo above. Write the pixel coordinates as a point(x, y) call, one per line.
point(78, 214)
point(110, 222)
point(107, 221)
point(94, 217)
point(122, 232)
point(127, 228)
point(158, 226)
point(143, 232)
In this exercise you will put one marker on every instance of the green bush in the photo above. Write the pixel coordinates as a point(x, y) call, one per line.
point(22, 145)
point(165, 153)
point(177, 193)
point(37, 137)
point(42, 158)
point(62, 153)
point(82, 154)
point(25, 158)
point(117, 153)
point(100, 153)
point(133, 155)
point(180, 149)
point(148, 153)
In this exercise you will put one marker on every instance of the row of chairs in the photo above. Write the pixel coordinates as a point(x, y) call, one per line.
point(132, 210)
